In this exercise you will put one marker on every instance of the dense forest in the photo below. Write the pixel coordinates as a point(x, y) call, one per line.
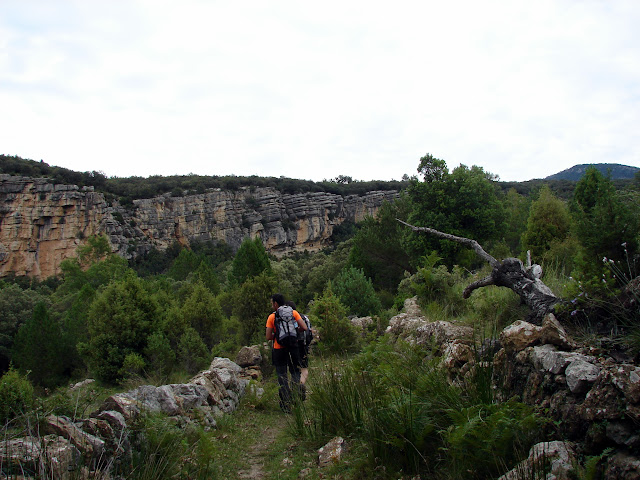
point(166, 315)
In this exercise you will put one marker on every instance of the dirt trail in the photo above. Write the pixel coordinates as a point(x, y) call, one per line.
point(257, 453)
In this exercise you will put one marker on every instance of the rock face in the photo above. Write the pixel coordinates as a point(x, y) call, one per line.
point(41, 224)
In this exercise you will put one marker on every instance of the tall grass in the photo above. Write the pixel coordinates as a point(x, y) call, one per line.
point(396, 403)
point(164, 451)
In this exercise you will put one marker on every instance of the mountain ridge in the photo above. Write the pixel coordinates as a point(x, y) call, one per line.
point(575, 173)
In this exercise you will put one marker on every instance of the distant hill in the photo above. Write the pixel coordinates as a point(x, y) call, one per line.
point(575, 173)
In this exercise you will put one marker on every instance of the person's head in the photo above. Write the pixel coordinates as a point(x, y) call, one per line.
point(291, 304)
point(277, 300)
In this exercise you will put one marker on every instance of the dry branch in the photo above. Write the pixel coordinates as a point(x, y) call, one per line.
point(509, 273)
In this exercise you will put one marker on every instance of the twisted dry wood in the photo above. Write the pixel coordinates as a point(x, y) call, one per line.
point(509, 273)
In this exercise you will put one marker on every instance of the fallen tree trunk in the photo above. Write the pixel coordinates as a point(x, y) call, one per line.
point(510, 273)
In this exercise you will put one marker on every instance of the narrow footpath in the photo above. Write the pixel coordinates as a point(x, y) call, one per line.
point(258, 453)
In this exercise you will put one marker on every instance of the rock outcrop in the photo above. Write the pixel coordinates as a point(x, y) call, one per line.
point(593, 399)
point(41, 224)
point(105, 438)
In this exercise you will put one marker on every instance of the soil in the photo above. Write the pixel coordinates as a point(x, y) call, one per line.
point(257, 454)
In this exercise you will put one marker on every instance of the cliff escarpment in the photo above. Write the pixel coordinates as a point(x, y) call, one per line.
point(41, 224)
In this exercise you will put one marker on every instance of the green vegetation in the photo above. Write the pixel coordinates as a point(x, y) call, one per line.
point(401, 413)
point(16, 396)
point(132, 188)
point(164, 316)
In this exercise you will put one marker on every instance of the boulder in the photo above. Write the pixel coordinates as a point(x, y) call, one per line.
point(551, 332)
point(212, 383)
point(90, 446)
point(404, 325)
point(50, 456)
point(519, 335)
point(189, 396)
point(580, 375)
point(249, 356)
point(442, 332)
point(332, 452)
point(156, 399)
point(61, 457)
point(252, 373)
point(455, 355)
point(622, 466)
point(122, 404)
point(549, 359)
point(362, 324)
point(412, 308)
point(556, 459)
point(20, 453)
point(627, 379)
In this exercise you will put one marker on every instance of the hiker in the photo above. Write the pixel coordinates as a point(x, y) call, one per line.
point(304, 340)
point(282, 328)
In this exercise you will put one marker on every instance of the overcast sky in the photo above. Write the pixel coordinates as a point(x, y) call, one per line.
point(313, 90)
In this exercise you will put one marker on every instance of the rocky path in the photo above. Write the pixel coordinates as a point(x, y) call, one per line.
point(257, 454)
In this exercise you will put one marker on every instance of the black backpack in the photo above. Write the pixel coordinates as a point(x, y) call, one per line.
point(305, 336)
point(286, 327)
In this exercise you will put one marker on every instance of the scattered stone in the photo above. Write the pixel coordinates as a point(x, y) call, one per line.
point(332, 452)
point(304, 473)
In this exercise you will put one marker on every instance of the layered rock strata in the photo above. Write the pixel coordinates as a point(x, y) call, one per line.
point(41, 224)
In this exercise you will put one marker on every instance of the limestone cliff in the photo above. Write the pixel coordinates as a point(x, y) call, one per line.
point(41, 224)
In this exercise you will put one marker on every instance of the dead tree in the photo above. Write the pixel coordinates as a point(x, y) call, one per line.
point(510, 273)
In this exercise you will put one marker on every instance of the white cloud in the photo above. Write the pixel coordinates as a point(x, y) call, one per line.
point(317, 90)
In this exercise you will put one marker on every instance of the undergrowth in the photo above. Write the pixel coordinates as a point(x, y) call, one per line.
point(396, 406)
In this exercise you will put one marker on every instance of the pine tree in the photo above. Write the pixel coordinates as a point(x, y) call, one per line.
point(548, 222)
point(251, 260)
point(356, 292)
point(38, 348)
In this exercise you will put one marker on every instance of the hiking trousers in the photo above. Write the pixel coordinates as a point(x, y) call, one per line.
point(285, 361)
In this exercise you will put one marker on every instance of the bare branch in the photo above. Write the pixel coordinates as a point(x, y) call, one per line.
point(486, 281)
point(465, 241)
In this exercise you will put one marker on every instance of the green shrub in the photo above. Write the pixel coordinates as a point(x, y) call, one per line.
point(484, 438)
point(16, 395)
point(439, 285)
point(132, 366)
point(193, 354)
point(159, 354)
point(356, 292)
point(337, 334)
point(396, 403)
point(165, 451)
point(494, 308)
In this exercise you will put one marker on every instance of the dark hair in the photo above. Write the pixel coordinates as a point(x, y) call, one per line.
point(278, 298)
point(291, 304)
